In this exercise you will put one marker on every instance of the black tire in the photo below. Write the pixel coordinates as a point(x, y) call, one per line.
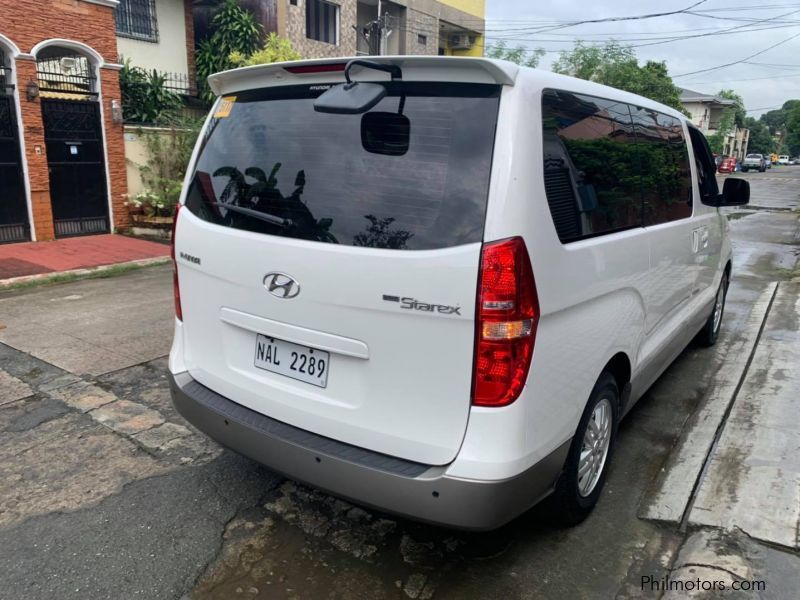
point(569, 504)
point(744, 170)
point(710, 332)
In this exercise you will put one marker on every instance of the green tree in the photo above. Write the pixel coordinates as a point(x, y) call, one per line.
point(739, 113)
point(776, 119)
point(518, 54)
point(276, 49)
point(236, 32)
point(793, 130)
point(616, 65)
point(761, 141)
point(716, 141)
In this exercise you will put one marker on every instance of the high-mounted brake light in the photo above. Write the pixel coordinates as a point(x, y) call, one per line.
point(176, 290)
point(507, 316)
point(324, 68)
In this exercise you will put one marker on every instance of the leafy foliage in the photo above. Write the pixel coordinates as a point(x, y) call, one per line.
point(716, 141)
point(777, 119)
point(616, 65)
point(739, 113)
point(519, 54)
point(145, 98)
point(236, 32)
point(761, 141)
point(379, 234)
point(276, 49)
point(169, 151)
point(793, 130)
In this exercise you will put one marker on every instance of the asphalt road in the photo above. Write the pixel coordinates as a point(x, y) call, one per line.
point(106, 493)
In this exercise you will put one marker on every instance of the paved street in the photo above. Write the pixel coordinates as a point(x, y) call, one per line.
point(105, 492)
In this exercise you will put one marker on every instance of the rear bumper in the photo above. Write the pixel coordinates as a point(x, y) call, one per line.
point(421, 492)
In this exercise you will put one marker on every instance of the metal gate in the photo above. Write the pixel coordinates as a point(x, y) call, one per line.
point(77, 166)
point(14, 225)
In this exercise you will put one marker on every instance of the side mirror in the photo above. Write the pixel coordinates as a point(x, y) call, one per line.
point(735, 192)
point(385, 133)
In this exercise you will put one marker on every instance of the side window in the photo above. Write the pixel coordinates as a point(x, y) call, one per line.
point(704, 161)
point(591, 167)
point(664, 158)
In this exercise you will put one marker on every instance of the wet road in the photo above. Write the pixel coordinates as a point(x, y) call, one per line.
point(94, 504)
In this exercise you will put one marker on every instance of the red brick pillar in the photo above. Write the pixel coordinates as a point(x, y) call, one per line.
point(115, 148)
point(35, 152)
point(188, 17)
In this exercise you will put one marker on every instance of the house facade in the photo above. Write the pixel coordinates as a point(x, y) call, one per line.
point(62, 163)
point(330, 28)
point(159, 34)
point(706, 111)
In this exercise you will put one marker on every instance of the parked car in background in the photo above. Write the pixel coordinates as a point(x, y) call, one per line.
point(783, 159)
point(754, 162)
point(727, 165)
point(430, 309)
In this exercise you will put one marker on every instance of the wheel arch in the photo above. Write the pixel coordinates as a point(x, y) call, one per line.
point(619, 366)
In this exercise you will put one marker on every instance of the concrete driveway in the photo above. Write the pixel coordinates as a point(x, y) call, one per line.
point(105, 492)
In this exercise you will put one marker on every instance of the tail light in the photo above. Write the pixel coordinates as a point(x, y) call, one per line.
point(176, 290)
point(507, 317)
point(323, 68)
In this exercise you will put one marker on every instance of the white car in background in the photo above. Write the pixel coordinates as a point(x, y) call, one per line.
point(783, 159)
point(437, 289)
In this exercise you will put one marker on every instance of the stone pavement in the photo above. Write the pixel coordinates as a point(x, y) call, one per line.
point(67, 254)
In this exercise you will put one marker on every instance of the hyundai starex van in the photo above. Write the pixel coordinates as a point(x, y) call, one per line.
point(433, 285)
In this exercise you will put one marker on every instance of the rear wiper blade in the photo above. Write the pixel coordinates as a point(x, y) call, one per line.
point(255, 214)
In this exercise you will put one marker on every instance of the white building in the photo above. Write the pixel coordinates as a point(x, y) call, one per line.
point(705, 112)
point(158, 34)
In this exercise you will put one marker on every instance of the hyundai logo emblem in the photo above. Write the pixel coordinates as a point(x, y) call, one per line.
point(281, 285)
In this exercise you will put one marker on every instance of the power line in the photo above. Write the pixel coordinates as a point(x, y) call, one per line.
point(736, 62)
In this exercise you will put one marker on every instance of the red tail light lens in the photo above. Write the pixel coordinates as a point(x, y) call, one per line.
point(507, 316)
point(176, 290)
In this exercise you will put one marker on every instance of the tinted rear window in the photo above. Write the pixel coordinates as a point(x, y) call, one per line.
point(273, 154)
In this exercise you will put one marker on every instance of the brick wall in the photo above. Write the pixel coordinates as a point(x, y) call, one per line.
point(188, 16)
point(27, 23)
point(296, 31)
point(115, 149)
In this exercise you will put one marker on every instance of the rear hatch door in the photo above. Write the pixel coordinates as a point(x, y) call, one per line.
point(331, 286)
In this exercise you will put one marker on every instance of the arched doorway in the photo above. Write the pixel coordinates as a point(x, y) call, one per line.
point(14, 225)
point(74, 139)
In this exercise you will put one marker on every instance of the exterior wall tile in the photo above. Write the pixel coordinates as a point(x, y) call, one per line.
point(296, 31)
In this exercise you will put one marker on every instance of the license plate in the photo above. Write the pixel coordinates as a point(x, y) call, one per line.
point(292, 360)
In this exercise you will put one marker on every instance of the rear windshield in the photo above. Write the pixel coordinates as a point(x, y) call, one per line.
point(753, 156)
point(306, 175)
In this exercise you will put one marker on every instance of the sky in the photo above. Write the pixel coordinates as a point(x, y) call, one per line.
point(765, 81)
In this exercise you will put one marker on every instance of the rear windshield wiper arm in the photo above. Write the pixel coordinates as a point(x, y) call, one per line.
point(255, 214)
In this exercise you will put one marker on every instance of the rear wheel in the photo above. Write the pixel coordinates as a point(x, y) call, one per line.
point(710, 332)
point(585, 471)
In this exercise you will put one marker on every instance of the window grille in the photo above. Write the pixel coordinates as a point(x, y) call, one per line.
point(137, 19)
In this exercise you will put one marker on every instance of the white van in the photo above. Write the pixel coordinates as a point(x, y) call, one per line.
point(436, 289)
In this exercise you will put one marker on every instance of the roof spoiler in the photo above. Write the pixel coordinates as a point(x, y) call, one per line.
point(331, 70)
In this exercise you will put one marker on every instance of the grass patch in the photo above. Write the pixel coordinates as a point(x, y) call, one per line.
point(101, 273)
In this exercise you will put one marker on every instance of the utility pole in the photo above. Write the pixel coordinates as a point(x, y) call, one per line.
point(376, 32)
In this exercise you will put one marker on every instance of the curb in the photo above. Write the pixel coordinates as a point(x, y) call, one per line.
point(45, 277)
